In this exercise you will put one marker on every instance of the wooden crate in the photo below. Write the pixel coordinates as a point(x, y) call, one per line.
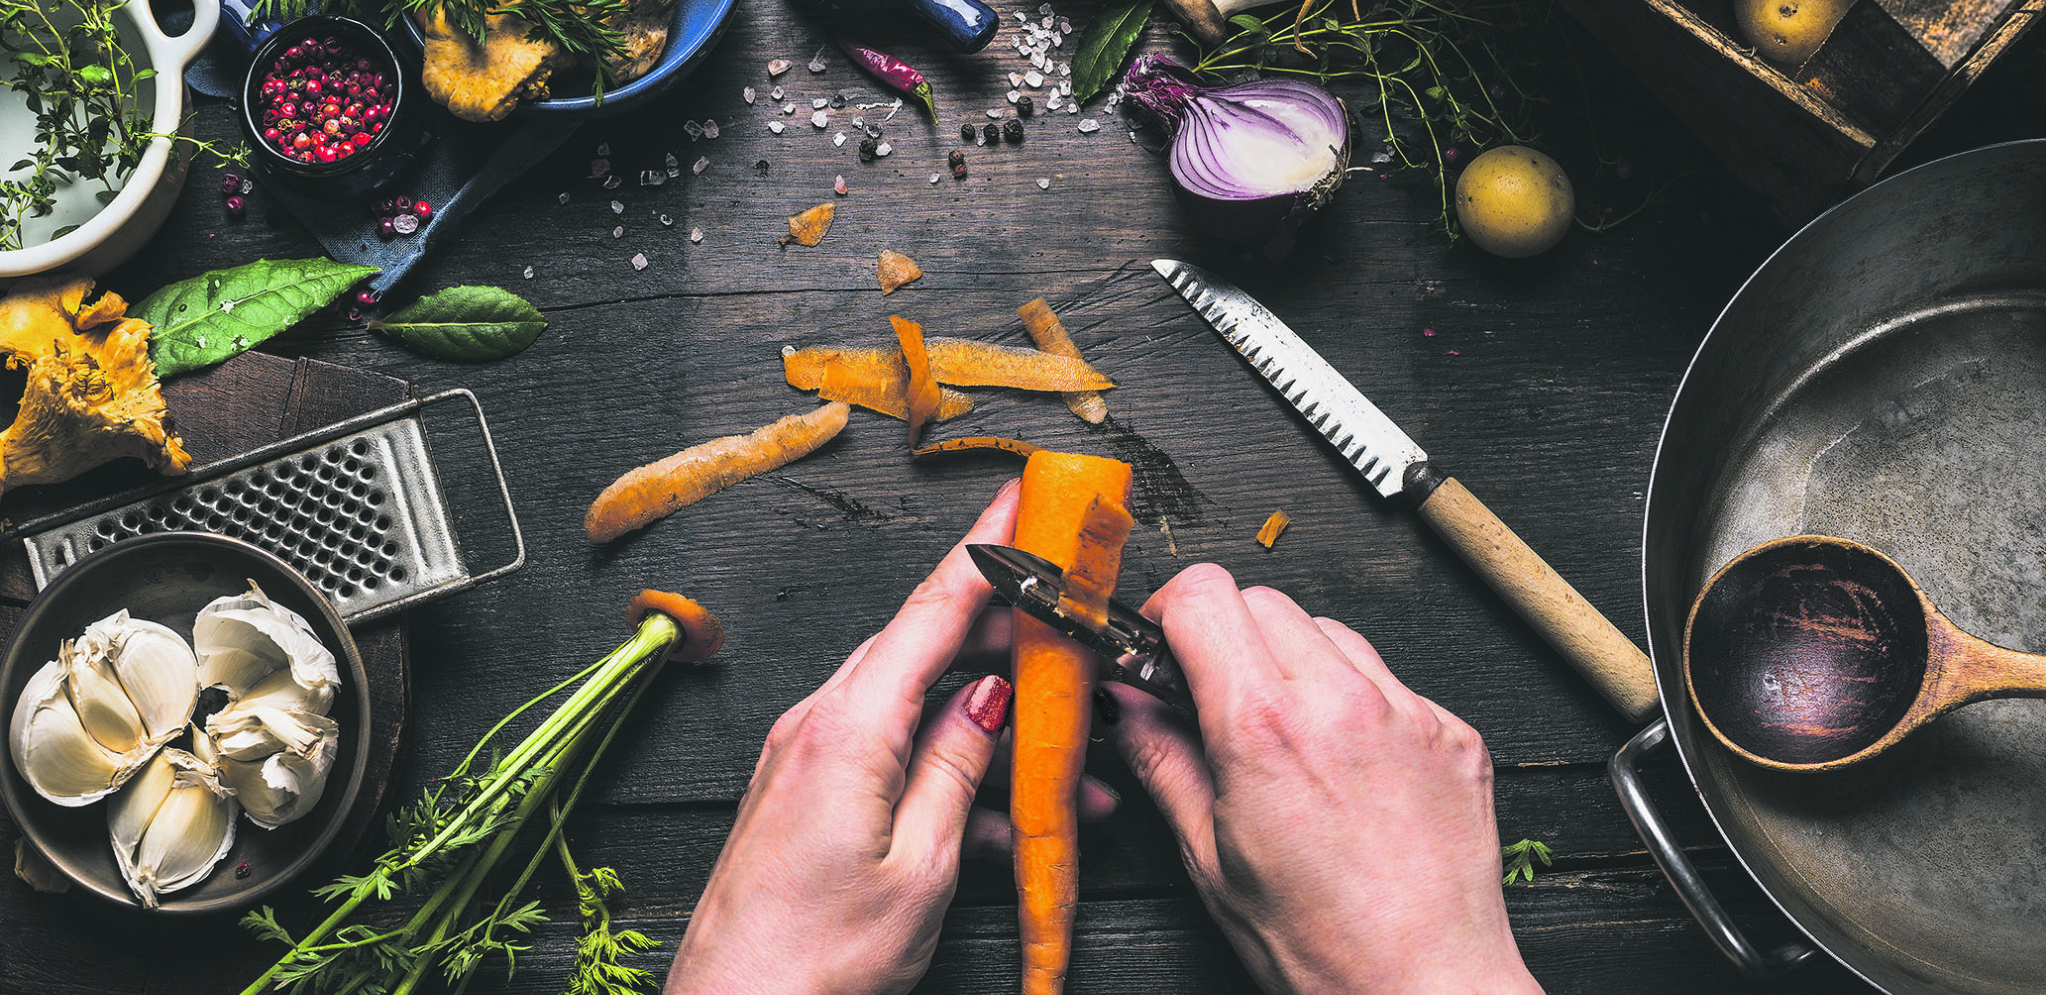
point(1806, 136)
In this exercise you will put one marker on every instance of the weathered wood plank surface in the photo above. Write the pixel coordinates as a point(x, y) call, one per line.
point(1542, 384)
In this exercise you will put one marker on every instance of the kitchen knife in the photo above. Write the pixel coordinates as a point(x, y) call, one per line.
point(1397, 467)
point(1132, 646)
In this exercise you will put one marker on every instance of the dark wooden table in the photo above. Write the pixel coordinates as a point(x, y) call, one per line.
point(1542, 383)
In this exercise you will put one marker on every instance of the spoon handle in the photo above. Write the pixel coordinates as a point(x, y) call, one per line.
point(1604, 655)
point(1974, 668)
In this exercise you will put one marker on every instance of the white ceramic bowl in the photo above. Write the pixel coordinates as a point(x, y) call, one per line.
point(117, 230)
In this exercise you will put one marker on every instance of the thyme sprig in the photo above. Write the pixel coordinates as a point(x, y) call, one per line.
point(582, 28)
point(446, 847)
point(83, 88)
point(1437, 79)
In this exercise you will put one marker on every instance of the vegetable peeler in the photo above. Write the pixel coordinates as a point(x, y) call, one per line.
point(1132, 647)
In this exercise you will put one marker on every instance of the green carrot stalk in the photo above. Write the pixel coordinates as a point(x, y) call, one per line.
point(455, 852)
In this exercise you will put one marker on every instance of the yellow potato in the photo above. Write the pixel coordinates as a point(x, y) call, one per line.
point(1514, 202)
point(1787, 32)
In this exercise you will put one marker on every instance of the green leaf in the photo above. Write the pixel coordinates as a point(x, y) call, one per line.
point(222, 313)
point(466, 324)
point(1105, 44)
point(96, 75)
point(1245, 22)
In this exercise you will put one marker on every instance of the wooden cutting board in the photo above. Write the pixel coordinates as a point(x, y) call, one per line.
point(223, 411)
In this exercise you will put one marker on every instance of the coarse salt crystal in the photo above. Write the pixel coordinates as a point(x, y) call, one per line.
point(696, 234)
point(562, 197)
point(611, 182)
point(529, 272)
point(1025, 18)
point(778, 66)
point(775, 93)
point(1044, 183)
point(667, 221)
point(1037, 59)
point(652, 177)
point(1034, 78)
point(604, 149)
point(702, 163)
point(748, 94)
point(692, 129)
point(883, 149)
point(775, 126)
point(710, 128)
point(838, 139)
point(618, 232)
point(1048, 20)
point(1057, 39)
point(674, 165)
point(617, 207)
point(1014, 96)
point(820, 119)
point(935, 177)
point(817, 64)
point(994, 112)
point(1088, 125)
point(1015, 79)
point(1073, 108)
point(1053, 103)
point(789, 108)
point(838, 186)
point(599, 167)
point(820, 103)
point(1065, 25)
point(1066, 70)
point(639, 260)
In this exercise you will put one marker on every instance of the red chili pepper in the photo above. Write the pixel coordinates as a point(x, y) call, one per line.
point(890, 70)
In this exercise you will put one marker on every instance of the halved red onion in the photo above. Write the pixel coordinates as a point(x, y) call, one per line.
point(1252, 161)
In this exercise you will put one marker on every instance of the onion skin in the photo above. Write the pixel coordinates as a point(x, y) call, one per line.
point(1210, 128)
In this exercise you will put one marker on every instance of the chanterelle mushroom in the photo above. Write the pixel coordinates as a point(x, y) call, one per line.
point(92, 394)
point(484, 81)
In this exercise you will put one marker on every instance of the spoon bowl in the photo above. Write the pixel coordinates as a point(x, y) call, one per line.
point(1811, 653)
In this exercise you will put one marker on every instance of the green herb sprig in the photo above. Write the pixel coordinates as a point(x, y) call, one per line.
point(448, 844)
point(1520, 858)
point(1434, 66)
point(582, 28)
point(82, 86)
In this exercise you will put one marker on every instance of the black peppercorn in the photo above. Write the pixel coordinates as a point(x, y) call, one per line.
point(1012, 130)
point(868, 149)
point(993, 133)
point(1025, 106)
point(760, 167)
point(966, 132)
point(959, 171)
point(956, 159)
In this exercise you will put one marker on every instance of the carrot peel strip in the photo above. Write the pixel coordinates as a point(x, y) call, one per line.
point(921, 394)
point(1054, 680)
point(651, 492)
point(1050, 335)
point(976, 443)
point(1274, 525)
point(967, 363)
point(702, 634)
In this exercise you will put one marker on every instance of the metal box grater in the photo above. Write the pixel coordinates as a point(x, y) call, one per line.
point(357, 507)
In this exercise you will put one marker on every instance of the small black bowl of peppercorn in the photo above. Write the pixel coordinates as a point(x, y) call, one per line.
point(328, 110)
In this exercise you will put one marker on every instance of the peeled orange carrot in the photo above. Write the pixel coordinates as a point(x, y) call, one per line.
point(1072, 512)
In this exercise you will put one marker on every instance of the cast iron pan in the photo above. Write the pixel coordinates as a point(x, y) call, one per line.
point(1883, 378)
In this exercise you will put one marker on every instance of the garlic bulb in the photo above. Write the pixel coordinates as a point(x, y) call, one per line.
point(170, 825)
point(276, 762)
point(88, 720)
point(252, 646)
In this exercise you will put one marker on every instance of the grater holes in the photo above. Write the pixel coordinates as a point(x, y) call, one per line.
point(397, 574)
point(359, 447)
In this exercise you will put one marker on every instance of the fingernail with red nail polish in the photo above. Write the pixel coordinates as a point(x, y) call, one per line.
point(988, 703)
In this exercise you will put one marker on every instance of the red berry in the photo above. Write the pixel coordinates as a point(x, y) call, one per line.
point(302, 141)
point(365, 297)
point(422, 210)
point(235, 206)
point(362, 138)
point(385, 229)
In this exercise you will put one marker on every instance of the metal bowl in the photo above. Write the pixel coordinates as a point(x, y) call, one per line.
point(167, 577)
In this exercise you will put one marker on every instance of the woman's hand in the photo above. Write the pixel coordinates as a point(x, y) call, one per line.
point(846, 850)
point(1338, 826)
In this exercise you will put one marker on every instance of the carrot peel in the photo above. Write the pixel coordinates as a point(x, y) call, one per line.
point(656, 490)
point(921, 395)
point(1071, 513)
point(976, 443)
point(1050, 335)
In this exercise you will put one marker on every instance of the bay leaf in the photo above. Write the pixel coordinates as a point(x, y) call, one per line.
point(466, 324)
point(222, 313)
point(1105, 44)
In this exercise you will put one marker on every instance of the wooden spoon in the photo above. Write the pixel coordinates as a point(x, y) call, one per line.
point(1811, 653)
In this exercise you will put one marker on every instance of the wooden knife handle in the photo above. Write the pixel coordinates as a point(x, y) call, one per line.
point(1604, 655)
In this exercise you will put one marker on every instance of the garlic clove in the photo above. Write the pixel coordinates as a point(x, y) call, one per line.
point(171, 826)
point(245, 732)
point(102, 706)
point(53, 750)
point(284, 785)
point(156, 668)
point(281, 690)
point(243, 639)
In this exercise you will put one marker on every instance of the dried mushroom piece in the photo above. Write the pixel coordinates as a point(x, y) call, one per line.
point(483, 81)
point(92, 394)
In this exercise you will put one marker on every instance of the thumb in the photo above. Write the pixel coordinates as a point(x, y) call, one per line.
point(951, 755)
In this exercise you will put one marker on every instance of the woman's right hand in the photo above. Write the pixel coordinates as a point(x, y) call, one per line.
point(1338, 826)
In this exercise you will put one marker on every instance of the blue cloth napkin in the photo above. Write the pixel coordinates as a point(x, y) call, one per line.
point(459, 167)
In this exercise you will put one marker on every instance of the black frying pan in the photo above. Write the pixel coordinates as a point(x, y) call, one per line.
point(1881, 378)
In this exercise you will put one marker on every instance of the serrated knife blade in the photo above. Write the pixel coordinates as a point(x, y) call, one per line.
point(1365, 437)
point(1396, 466)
